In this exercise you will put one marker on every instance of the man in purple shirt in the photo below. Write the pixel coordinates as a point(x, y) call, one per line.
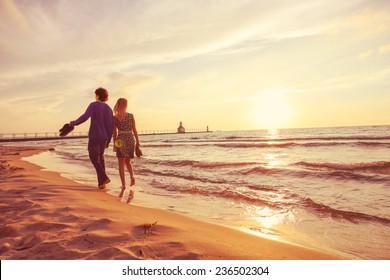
point(100, 133)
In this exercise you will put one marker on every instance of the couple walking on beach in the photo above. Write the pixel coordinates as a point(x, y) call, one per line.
point(105, 125)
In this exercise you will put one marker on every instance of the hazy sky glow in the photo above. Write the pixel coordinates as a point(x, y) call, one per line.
point(228, 64)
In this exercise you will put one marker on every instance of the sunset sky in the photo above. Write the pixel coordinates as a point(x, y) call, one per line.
point(228, 64)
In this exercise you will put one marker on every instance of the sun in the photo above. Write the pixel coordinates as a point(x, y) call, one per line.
point(272, 110)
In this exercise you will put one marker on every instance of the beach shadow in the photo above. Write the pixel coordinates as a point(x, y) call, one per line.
point(113, 253)
point(50, 251)
point(88, 241)
point(7, 231)
point(96, 224)
point(189, 256)
point(45, 227)
point(156, 250)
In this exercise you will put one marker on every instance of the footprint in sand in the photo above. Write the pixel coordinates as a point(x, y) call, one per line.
point(27, 243)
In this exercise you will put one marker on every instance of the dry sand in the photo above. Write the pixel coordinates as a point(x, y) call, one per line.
point(46, 216)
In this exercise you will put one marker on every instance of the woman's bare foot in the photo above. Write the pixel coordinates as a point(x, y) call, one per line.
point(122, 192)
point(131, 196)
point(132, 183)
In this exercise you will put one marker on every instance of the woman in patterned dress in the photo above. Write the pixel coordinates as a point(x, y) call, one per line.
point(125, 138)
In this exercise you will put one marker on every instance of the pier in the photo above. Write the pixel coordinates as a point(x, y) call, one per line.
point(44, 136)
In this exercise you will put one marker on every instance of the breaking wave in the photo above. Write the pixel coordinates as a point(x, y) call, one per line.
point(379, 167)
point(351, 216)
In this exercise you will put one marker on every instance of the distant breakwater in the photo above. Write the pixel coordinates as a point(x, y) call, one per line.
point(43, 136)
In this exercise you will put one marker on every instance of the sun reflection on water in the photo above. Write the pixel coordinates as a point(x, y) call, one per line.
point(268, 218)
point(274, 160)
point(272, 133)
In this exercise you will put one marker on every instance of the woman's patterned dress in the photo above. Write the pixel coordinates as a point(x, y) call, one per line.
point(125, 142)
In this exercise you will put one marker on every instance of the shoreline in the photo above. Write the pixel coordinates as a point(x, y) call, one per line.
point(46, 216)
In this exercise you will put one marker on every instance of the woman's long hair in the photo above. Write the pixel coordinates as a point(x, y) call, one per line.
point(120, 109)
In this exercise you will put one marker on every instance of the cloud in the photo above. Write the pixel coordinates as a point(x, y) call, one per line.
point(100, 33)
point(384, 49)
point(381, 50)
point(129, 83)
point(365, 54)
point(11, 16)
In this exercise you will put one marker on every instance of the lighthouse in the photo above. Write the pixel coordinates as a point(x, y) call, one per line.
point(181, 128)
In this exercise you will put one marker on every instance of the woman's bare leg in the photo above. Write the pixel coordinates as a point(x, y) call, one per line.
point(131, 171)
point(121, 163)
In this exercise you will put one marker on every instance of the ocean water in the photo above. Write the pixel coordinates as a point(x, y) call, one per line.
point(326, 188)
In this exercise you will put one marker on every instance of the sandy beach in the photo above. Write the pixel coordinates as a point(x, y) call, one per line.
point(46, 216)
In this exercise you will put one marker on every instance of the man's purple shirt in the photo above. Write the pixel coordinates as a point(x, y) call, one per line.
point(102, 121)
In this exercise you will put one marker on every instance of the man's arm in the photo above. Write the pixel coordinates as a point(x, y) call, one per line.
point(83, 117)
